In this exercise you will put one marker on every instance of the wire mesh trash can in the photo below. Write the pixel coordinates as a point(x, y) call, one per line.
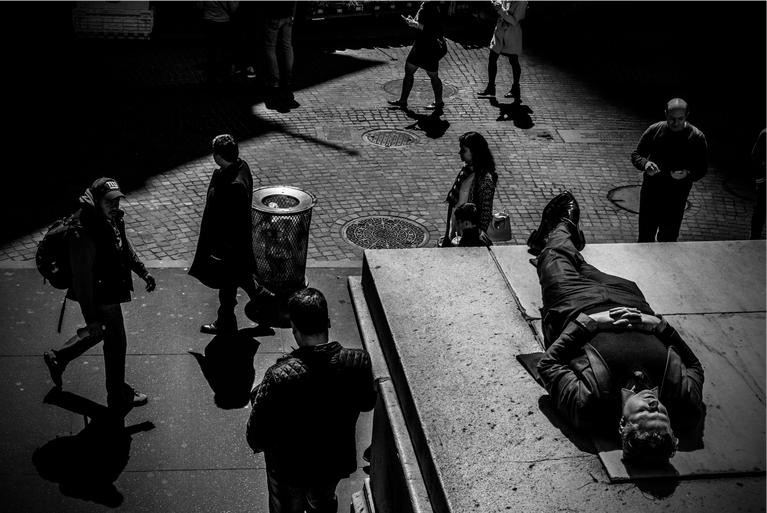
point(281, 218)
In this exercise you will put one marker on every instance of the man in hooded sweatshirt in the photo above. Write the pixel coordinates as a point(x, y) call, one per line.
point(101, 259)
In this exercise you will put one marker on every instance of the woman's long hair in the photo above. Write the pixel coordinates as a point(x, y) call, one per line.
point(481, 158)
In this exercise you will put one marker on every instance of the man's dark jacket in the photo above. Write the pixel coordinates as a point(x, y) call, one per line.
point(224, 248)
point(305, 411)
point(101, 268)
point(579, 381)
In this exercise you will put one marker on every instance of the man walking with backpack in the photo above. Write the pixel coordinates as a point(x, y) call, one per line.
point(101, 260)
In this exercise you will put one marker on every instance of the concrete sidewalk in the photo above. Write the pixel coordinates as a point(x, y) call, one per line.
point(195, 459)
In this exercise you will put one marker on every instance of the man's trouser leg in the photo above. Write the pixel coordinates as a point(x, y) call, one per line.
point(564, 290)
point(285, 54)
point(115, 347)
point(670, 222)
point(619, 290)
point(283, 497)
point(227, 298)
point(757, 219)
point(271, 66)
point(648, 213)
point(321, 498)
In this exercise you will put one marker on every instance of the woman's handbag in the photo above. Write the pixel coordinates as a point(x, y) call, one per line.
point(499, 228)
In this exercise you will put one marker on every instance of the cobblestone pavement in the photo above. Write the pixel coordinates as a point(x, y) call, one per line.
point(319, 148)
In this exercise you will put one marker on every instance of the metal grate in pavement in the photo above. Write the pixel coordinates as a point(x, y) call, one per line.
point(627, 198)
point(389, 137)
point(384, 232)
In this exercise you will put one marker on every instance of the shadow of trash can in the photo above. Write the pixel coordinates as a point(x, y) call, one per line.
point(281, 219)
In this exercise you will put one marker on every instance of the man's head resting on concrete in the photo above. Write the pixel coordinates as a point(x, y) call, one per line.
point(308, 310)
point(677, 111)
point(645, 429)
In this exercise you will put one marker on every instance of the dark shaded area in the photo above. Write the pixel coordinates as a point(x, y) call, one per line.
point(79, 109)
point(227, 365)
point(127, 109)
point(87, 464)
point(639, 55)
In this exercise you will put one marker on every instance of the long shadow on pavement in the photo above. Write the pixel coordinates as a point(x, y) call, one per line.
point(87, 464)
point(130, 110)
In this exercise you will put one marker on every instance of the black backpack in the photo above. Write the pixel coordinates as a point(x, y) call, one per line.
point(52, 257)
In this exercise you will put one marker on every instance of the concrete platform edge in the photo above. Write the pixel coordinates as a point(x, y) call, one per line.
point(428, 467)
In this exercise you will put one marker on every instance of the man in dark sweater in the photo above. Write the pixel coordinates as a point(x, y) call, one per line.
point(610, 360)
point(305, 411)
point(672, 154)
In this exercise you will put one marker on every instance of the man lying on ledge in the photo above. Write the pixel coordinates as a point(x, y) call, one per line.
point(609, 361)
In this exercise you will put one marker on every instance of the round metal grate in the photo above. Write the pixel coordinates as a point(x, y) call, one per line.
point(627, 198)
point(421, 87)
point(389, 137)
point(385, 232)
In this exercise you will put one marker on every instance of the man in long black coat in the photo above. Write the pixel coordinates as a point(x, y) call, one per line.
point(224, 257)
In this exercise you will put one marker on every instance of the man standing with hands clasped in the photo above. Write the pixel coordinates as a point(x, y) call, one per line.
point(673, 154)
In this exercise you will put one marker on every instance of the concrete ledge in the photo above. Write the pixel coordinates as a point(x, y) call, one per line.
point(486, 436)
point(396, 483)
point(367, 329)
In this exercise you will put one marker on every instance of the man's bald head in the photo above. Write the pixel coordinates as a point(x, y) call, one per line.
point(676, 114)
point(677, 103)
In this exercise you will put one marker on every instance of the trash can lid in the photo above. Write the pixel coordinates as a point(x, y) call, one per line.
point(282, 199)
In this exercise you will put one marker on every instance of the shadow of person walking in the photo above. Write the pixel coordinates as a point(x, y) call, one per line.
point(87, 464)
point(517, 112)
point(227, 364)
point(432, 125)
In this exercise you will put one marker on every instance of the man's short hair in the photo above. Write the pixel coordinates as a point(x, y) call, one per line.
point(647, 448)
point(677, 103)
point(467, 212)
point(225, 146)
point(308, 311)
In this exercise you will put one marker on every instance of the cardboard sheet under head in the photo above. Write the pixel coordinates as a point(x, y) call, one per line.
point(731, 438)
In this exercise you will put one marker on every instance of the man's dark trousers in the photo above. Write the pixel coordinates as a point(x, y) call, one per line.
point(227, 299)
point(570, 286)
point(285, 497)
point(115, 347)
point(662, 201)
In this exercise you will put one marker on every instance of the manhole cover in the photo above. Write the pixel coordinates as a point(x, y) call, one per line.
point(389, 137)
point(385, 232)
point(627, 198)
point(421, 87)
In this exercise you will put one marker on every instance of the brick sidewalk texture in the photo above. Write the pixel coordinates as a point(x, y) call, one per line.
point(319, 148)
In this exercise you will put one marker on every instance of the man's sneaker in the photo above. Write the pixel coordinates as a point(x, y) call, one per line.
point(133, 397)
point(55, 367)
point(250, 72)
point(488, 92)
point(397, 103)
point(436, 106)
point(214, 329)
